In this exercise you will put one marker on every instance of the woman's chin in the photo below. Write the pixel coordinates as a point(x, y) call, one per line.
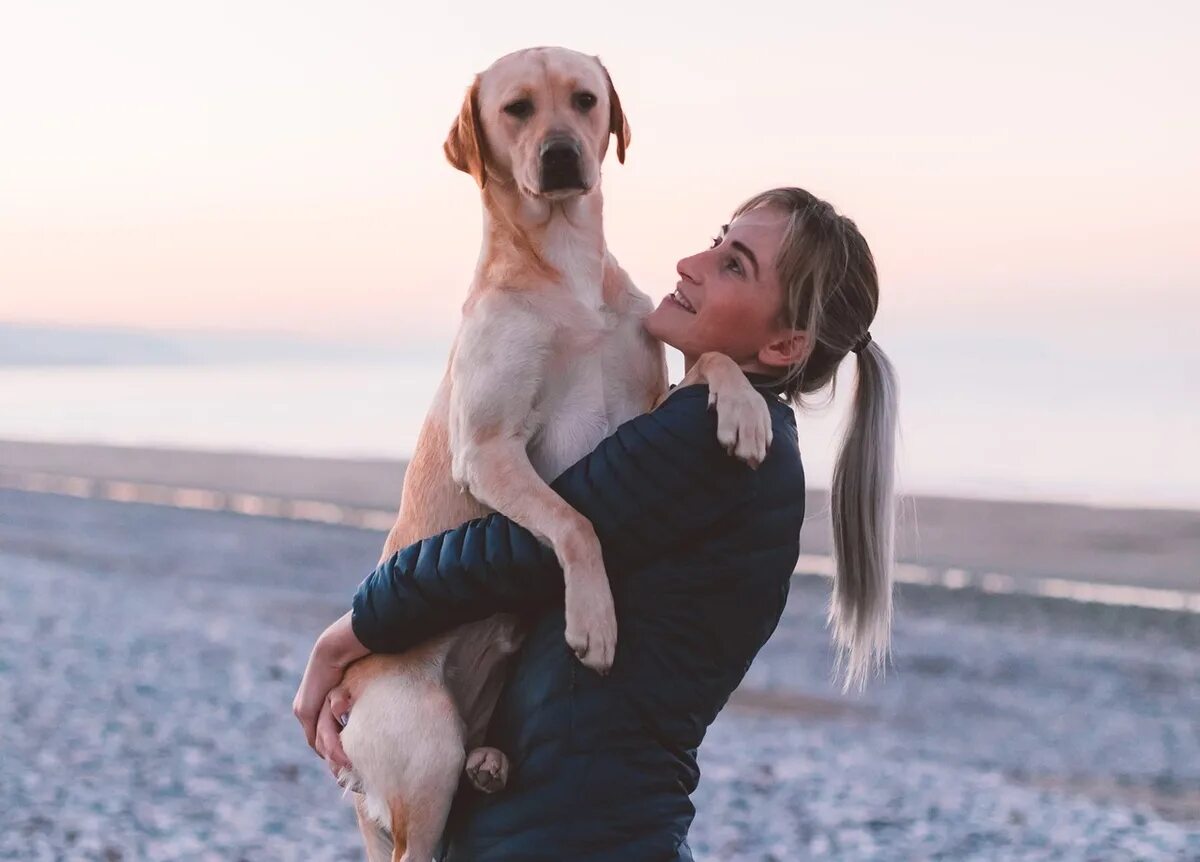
point(664, 323)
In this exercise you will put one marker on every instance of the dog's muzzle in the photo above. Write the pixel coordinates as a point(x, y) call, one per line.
point(562, 168)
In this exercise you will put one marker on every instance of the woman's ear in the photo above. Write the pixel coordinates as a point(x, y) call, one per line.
point(787, 348)
point(465, 147)
point(618, 124)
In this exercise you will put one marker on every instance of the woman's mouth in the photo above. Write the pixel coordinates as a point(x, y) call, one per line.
point(682, 301)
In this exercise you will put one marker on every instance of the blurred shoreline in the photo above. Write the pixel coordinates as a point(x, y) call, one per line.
point(1140, 547)
point(963, 433)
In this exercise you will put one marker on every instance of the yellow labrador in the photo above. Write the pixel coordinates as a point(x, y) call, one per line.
point(549, 359)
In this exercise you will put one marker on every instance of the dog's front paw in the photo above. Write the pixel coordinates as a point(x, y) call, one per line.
point(591, 620)
point(487, 769)
point(743, 421)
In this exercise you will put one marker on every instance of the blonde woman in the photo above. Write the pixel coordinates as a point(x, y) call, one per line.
point(700, 549)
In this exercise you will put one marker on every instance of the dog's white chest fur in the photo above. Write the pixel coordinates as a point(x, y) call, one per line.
point(591, 384)
point(574, 410)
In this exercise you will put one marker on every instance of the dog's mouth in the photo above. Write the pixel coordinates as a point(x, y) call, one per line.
point(559, 194)
point(682, 301)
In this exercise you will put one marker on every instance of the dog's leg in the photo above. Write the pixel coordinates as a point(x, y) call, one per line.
point(406, 741)
point(501, 476)
point(377, 842)
point(425, 814)
point(505, 347)
point(399, 832)
point(417, 811)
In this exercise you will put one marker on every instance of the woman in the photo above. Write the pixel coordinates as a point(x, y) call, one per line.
point(699, 547)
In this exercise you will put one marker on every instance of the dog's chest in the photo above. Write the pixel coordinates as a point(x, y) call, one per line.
point(592, 385)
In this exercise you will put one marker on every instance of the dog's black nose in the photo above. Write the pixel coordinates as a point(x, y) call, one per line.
point(561, 167)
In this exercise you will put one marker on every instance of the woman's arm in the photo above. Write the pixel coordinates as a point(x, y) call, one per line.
point(660, 479)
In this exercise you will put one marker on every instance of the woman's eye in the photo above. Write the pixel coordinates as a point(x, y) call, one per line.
point(584, 101)
point(716, 242)
point(733, 265)
point(521, 109)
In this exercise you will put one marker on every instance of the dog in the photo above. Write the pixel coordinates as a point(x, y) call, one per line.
point(549, 359)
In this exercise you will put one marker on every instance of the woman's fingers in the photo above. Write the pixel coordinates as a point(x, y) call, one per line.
point(321, 676)
point(329, 742)
point(339, 704)
point(306, 716)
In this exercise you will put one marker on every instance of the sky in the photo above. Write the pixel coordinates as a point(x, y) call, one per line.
point(261, 165)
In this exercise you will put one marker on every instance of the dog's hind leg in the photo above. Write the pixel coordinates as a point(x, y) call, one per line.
point(424, 815)
point(405, 739)
point(399, 832)
point(375, 839)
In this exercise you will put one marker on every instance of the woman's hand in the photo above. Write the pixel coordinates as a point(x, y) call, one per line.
point(321, 704)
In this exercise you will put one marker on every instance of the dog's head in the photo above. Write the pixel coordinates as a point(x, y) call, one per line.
point(541, 116)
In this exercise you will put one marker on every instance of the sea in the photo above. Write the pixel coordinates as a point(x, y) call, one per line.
point(975, 420)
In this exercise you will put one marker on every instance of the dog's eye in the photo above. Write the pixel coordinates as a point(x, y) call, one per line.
point(584, 101)
point(521, 109)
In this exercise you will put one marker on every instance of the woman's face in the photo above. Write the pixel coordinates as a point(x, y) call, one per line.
point(728, 298)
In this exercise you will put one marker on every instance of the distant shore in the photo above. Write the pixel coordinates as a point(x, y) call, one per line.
point(1157, 548)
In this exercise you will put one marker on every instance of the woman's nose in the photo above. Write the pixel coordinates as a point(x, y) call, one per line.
point(687, 268)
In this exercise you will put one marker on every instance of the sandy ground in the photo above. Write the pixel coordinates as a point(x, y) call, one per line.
point(148, 657)
point(1143, 547)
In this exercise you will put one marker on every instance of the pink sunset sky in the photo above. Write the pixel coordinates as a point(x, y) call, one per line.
point(278, 166)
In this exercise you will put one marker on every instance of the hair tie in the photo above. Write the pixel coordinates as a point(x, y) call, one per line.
point(862, 343)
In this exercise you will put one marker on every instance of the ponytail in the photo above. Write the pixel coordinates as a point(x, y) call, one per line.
point(831, 292)
point(863, 512)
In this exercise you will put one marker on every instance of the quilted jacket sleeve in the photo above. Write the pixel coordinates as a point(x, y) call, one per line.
point(659, 479)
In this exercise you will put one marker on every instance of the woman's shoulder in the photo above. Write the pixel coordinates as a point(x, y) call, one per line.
point(686, 419)
point(689, 406)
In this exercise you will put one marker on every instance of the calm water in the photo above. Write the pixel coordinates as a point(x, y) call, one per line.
point(1121, 435)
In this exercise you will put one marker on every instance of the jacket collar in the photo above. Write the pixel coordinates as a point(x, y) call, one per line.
point(761, 382)
point(765, 383)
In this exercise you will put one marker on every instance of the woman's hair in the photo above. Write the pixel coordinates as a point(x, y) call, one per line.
point(831, 292)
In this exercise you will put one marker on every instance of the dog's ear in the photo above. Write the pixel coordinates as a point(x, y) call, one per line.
point(617, 123)
point(465, 146)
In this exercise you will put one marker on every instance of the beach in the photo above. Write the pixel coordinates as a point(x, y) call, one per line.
point(1146, 547)
point(159, 605)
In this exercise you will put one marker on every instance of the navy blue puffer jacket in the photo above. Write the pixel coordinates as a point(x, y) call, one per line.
point(699, 549)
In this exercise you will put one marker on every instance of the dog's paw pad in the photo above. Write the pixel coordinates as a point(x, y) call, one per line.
point(487, 769)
